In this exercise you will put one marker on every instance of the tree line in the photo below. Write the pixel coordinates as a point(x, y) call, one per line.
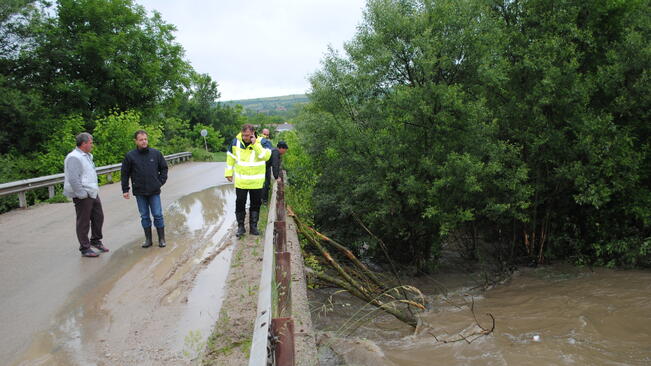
point(511, 129)
point(102, 66)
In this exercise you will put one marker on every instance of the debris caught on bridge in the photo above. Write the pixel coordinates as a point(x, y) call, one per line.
point(387, 294)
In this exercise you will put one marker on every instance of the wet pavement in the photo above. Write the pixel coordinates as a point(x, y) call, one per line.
point(129, 305)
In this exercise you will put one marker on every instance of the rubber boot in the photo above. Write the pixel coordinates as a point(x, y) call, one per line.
point(147, 242)
point(161, 236)
point(240, 223)
point(253, 222)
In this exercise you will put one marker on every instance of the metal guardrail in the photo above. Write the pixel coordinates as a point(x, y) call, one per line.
point(273, 334)
point(259, 353)
point(49, 181)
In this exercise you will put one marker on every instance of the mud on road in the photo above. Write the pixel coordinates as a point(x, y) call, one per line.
point(155, 306)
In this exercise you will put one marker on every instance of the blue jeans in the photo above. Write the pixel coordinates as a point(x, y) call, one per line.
point(147, 203)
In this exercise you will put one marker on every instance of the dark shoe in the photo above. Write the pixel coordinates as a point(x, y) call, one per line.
point(253, 222)
point(161, 236)
point(100, 247)
point(147, 242)
point(240, 223)
point(89, 253)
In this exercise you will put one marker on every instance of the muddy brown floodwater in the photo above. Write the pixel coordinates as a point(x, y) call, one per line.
point(154, 306)
point(553, 315)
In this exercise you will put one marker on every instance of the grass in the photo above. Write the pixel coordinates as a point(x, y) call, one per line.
point(203, 155)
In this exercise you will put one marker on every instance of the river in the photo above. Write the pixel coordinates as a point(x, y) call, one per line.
point(552, 315)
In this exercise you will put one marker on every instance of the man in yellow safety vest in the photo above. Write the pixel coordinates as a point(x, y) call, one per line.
point(246, 166)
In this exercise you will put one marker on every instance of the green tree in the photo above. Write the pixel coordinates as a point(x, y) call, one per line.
point(567, 68)
point(25, 120)
point(405, 144)
point(114, 136)
point(97, 55)
point(59, 145)
point(214, 139)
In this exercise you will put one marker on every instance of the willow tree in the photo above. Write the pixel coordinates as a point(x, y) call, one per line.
point(404, 141)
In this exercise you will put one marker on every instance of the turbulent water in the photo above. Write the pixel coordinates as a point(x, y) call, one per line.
point(543, 316)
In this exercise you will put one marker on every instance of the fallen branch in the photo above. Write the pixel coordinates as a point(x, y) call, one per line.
point(374, 301)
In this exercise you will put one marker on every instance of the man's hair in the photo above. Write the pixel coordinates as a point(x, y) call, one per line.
point(248, 127)
point(140, 132)
point(282, 145)
point(83, 137)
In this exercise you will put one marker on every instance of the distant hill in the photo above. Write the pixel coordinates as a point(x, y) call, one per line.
point(282, 105)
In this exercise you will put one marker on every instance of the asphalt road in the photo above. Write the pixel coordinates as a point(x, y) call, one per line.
point(40, 265)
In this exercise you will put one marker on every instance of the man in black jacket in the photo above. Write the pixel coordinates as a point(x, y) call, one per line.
point(273, 166)
point(147, 169)
point(276, 154)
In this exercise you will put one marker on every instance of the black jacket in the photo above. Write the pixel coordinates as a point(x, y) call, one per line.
point(147, 169)
point(275, 162)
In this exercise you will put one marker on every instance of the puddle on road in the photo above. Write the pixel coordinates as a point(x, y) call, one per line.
point(150, 304)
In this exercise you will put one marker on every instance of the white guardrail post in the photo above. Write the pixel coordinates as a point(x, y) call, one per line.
point(258, 354)
point(21, 186)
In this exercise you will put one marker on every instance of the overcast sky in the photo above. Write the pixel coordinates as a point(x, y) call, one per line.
point(259, 48)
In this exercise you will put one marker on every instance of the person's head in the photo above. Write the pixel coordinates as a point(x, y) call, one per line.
point(282, 147)
point(141, 138)
point(265, 131)
point(248, 131)
point(85, 142)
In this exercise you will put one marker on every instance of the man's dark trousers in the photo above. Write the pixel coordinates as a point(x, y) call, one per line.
point(240, 202)
point(89, 215)
point(267, 184)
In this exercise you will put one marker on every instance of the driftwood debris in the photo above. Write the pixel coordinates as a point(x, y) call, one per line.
point(401, 301)
point(361, 282)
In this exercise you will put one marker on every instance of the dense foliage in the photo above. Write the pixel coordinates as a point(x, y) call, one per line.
point(517, 129)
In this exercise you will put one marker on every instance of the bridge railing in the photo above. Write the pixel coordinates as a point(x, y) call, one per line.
point(282, 301)
point(21, 186)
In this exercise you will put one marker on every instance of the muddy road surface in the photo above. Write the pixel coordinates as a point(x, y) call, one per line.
point(131, 306)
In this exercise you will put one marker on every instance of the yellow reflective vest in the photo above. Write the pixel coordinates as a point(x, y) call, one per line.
point(247, 164)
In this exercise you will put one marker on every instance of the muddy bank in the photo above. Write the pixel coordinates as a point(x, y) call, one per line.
point(556, 315)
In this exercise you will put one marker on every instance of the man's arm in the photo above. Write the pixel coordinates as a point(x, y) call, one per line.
point(275, 163)
point(162, 168)
point(266, 143)
point(74, 169)
point(261, 152)
point(125, 174)
point(230, 163)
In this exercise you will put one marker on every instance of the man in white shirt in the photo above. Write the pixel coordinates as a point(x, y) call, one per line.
point(81, 185)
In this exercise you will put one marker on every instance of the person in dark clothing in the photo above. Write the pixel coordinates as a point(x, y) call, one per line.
point(273, 168)
point(147, 169)
point(266, 140)
point(276, 155)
